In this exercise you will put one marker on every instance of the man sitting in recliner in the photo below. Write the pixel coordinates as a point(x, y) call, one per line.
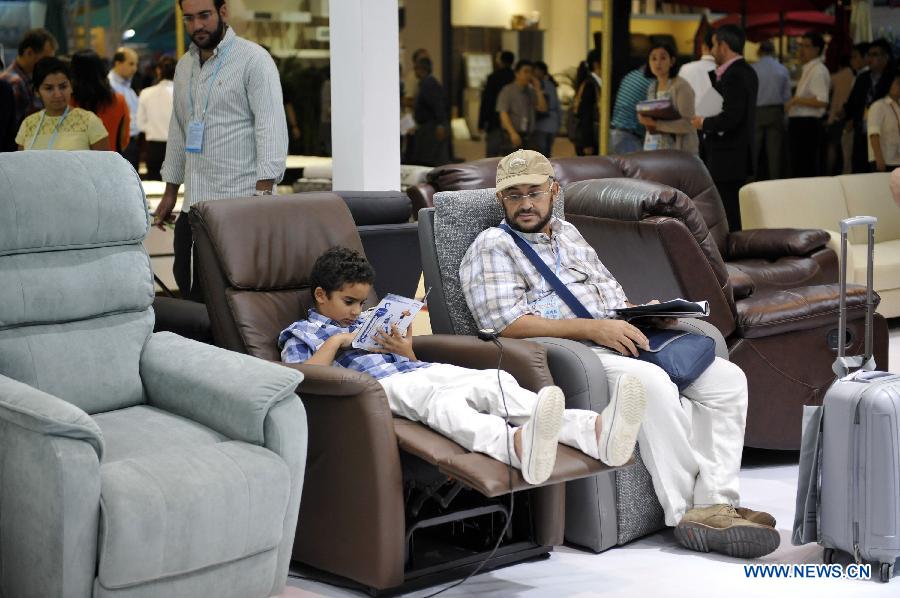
point(690, 441)
point(465, 405)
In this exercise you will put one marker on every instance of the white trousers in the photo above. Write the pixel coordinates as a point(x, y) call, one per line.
point(692, 443)
point(466, 406)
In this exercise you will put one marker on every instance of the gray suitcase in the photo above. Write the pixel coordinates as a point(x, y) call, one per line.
point(859, 496)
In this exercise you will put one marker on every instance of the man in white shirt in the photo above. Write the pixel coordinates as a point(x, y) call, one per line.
point(125, 65)
point(883, 128)
point(154, 114)
point(707, 101)
point(806, 110)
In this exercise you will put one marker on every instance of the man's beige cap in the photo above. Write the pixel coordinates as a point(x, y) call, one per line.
point(523, 167)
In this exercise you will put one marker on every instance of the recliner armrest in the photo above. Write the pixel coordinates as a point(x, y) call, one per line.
point(43, 413)
point(421, 196)
point(332, 381)
point(229, 392)
point(526, 361)
point(803, 308)
point(773, 243)
point(50, 494)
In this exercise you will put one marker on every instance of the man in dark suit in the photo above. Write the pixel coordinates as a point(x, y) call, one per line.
point(869, 86)
point(7, 118)
point(431, 143)
point(727, 138)
point(488, 117)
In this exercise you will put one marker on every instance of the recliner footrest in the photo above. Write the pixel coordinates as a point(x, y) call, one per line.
point(480, 472)
point(802, 308)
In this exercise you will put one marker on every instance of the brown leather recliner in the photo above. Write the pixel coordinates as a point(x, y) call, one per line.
point(255, 257)
point(757, 260)
point(655, 242)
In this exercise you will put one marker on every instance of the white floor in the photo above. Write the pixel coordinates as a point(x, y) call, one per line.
point(656, 566)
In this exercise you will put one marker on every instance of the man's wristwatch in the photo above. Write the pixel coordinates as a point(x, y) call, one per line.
point(259, 192)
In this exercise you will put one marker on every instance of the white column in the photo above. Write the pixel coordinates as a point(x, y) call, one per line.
point(365, 95)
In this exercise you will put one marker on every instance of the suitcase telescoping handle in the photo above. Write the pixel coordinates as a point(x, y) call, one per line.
point(843, 364)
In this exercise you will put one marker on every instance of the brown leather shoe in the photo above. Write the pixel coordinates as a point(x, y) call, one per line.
point(719, 528)
point(760, 517)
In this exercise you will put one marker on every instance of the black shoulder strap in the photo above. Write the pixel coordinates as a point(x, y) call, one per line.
point(564, 293)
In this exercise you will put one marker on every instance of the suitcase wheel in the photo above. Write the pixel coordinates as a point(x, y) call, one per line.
point(828, 556)
point(887, 572)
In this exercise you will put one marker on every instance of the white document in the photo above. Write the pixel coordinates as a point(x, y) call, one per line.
point(393, 309)
point(674, 308)
point(709, 103)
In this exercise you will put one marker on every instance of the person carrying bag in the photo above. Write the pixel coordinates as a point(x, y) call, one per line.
point(684, 356)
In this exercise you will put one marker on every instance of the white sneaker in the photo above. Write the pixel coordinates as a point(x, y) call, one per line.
point(621, 421)
point(540, 435)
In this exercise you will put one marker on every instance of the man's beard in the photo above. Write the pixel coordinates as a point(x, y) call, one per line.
point(214, 37)
point(531, 229)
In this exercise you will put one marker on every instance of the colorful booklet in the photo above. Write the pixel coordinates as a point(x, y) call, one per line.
point(393, 309)
point(675, 308)
point(662, 109)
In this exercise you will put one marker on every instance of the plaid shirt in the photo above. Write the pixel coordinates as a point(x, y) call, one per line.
point(501, 285)
point(301, 339)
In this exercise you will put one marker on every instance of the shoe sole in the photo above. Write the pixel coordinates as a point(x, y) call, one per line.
point(627, 412)
point(546, 422)
point(742, 542)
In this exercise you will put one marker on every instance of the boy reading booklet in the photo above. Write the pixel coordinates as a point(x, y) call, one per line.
point(463, 404)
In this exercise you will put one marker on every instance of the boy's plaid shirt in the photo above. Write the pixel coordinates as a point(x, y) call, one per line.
point(303, 338)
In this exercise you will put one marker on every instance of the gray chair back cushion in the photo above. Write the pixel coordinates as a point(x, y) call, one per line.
point(459, 217)
point(76, 281)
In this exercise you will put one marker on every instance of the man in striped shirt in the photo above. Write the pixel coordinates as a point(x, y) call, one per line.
point(626, 134)
point(228, 135)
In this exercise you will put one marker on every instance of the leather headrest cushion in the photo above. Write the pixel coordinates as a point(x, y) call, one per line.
point(478, 174)
point(569, 170)
point(687, 173)
point(377, 207)
point(635, 199)
point(271, 243)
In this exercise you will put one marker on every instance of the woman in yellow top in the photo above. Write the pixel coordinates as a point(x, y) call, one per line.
point(58, 126)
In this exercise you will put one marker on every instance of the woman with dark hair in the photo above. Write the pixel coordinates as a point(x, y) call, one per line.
point(676, 133)
point(93, 92)
point(59, 126)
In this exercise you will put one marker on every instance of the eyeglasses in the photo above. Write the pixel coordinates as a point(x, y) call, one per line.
point(517, 197)
point(875, 54)
point(202, 16)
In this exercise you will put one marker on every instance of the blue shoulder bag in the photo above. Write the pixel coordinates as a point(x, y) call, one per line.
point(682, 355)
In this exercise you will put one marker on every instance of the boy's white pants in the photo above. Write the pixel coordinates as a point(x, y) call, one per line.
point(692, 443)
point(465, 405)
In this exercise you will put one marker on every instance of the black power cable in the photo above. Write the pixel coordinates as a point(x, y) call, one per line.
point(489, 334)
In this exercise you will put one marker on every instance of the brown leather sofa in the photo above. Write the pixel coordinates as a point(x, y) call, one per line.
point(756, 260)
point(365, 467)
point(655, 241)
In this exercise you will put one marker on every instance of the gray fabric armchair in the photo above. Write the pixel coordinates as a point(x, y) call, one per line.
point(132, 464)
point(610, 508)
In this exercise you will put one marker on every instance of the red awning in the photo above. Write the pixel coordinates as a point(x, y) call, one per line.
point(750, 7)
point(766, 25)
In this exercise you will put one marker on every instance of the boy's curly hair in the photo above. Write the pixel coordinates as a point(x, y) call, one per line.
point(339, 266)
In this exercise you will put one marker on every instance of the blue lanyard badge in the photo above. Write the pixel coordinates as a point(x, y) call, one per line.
point(548, 306)
point(194, 141)
point(55, 129)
